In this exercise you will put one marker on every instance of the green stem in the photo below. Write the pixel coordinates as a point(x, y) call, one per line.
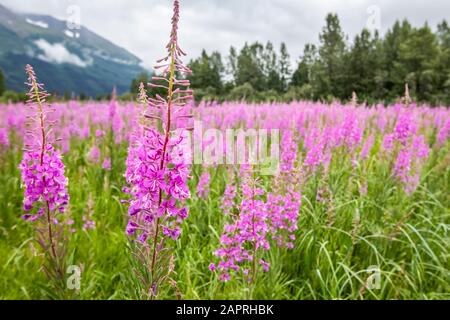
point(166, 141)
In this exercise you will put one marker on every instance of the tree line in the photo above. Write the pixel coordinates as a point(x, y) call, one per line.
point(376, 68)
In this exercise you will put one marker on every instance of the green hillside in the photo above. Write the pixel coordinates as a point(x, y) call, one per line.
point(84, 63)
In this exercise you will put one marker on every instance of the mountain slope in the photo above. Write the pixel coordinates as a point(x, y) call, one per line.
point(77, 61)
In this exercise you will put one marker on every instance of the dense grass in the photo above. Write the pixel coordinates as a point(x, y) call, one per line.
point(339, 237)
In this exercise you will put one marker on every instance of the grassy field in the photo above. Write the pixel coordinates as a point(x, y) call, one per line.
point(352, 218)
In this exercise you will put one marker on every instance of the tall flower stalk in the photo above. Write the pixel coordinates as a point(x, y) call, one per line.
point(259, 220)
point(157, 169)
point(44, 180)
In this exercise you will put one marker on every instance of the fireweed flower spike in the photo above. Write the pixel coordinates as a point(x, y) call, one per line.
point(43, 177)
point(246, 237)
point(260, 220)
point(157, 169)
point(203, 185)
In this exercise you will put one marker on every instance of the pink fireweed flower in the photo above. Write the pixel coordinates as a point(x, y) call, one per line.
point(283, 212)
point(203, 185)
point(88, 224)
point(315, 155)
point(407, 149)
point(42, 171)
point(149, 184)
point(349, 132)
point(106, 164)
point(289, 149)
point(113, 105)
point(443, 134)
point(42, 168)
point(157, 166)
point(228, 199)
point(117, 125)
point(246, 236)
point(88, 221)
point(94, 154)
point(388, 142)
point(4, 139)
point(99, 133)
point(420, 148)
point(45, 183)
point(64, 141)
point(404, 128)
point(264, 264)
point(403, 165)
point(259, 219)
point(367, 147)
point(410, 161)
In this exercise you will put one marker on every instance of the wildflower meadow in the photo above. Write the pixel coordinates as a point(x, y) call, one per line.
point(168, 198)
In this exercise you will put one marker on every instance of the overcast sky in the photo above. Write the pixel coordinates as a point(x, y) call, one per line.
point(142, 26)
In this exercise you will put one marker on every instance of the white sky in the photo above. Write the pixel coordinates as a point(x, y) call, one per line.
point(142, 26)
